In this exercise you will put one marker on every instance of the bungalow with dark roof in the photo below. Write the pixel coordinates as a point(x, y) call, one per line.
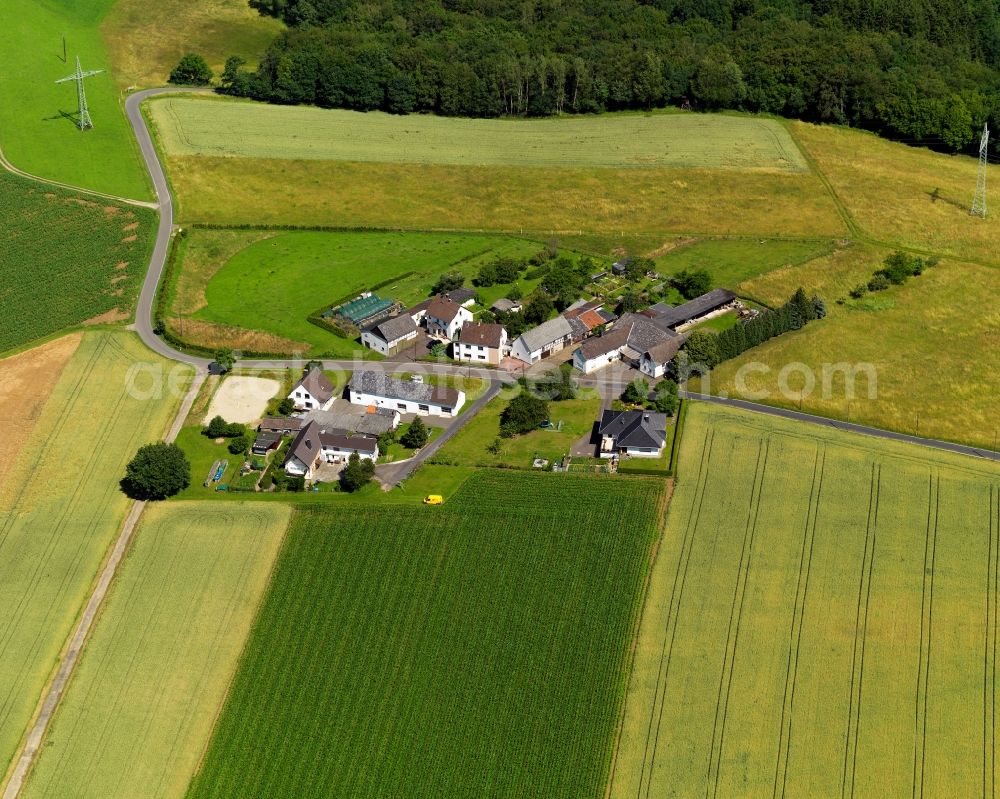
point(638, 434)
point(445, 317)
point(315, 445)
point(635, 339)
point(378, 390)
point(314, 391)
point(391, 335)
point(481, 343)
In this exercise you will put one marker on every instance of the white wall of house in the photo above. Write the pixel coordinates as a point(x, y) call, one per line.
point(407, 406)
point(651, 367)
point(337, 454)
point(520, 350)
point(437, 327)
point(305, 401)
point(637, 452)
point(297, 468)
point(477, 353)
point(379, 344)
point(588, 365)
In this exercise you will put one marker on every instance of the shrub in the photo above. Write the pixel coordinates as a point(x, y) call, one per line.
point(449, 281)
point(666, 399)
point(879, 282)
point(357, 474)
point(523, 414)
point(416, 435)
point(286, 406)
point(858, 291)
point(636, 392)
point(239, 444)
point(692, 284)
point(156, 472)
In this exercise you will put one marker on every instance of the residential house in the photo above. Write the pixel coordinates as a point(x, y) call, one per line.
point(265, 442)
point(639, 434)
point(697, 309)
point(313, 391)
point(542, 341)
point(503, 305)
point(445, 317)
point(391, 335)
point(586, 317)
point(372, 421)
point(481, 343)
point(315, 445)
point(464, 297)
point(635, 339)
point(378, 390)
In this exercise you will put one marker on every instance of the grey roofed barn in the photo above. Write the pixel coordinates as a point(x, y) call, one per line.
point(634, 331)
point(505, 305)
point(371, 423)
point(281, 424)
point(395, 328)
point(696, 308)
point(547, 332)
point(380, 384)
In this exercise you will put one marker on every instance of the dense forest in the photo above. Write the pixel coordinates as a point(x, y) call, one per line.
point(919, 70)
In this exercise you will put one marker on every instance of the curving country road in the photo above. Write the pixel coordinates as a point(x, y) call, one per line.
point(144, 317)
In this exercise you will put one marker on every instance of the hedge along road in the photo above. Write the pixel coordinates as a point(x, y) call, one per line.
point(144, 312)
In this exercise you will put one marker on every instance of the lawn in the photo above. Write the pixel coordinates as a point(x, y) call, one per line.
point(469, 446)
point(142, 704)
point(418, 652)
point(146, 40)
point(273, 284)
point(932, 347)
point(629, 203)
point(203, 126)
point(61, 508)
point(37, 116)
point(787, 644)
point(904, 195)
point(65, 260)
point(732, 261)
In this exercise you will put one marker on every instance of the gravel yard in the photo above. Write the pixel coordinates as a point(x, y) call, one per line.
point(242, 399)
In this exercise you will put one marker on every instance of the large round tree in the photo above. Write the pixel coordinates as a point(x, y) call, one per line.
point(157, 471)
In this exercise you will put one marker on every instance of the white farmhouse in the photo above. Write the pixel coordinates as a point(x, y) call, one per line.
point(378, 390)
point(445, 317)
point(540, 342)
point(313, 392)
point(315, 445)
point(481, 343)
point(390, 335)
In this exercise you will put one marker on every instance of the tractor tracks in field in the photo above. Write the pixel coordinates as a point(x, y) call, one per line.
point(926, 623)
point(990, 649)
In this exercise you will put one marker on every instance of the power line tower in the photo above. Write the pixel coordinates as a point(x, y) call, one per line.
point(83, 119)
point(979, 201)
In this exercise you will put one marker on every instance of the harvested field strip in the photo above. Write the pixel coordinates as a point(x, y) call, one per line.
point(438, 656)
point(60, 508)
point(142, 704)
point(851, 653)
point(202, 126)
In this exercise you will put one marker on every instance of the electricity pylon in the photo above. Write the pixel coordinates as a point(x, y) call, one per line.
point(979, 201)
point(83, 120)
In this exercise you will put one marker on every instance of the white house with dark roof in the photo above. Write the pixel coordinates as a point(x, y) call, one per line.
point(313, 392)
point(379, 390)
point(315, 445)
point(390, 335)
point(635, 339)
point(445, 317)
point(542, 341)
point(481, 343)
point(638, 434)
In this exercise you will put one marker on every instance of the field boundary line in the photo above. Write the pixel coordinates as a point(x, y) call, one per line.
point(926, 622)
point(70, 657)
point(673, 612)
point(735, 619)
point(853, 228)
point(860, 631)
point(798, 616)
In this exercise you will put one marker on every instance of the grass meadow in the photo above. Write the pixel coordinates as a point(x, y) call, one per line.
point(932, 343)
point(61, 508)
point(202, 126)
point(146, 40)
point(821, 620)
point(37, 117)
point(273, 284)
point(141, 707)
point(65, 259)
point(416, 652)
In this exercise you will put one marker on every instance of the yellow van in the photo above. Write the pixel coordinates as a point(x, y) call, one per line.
point(433, 499)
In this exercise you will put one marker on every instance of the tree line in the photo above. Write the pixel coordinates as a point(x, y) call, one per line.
point(923, 70)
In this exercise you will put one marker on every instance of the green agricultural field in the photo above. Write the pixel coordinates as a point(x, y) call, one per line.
point(61, 508)
point(469, 446)
point(141, 707)
point(37, 117)
point(202, 126)
point(273, 284)
point(146, 40)
point(65, 260)
point(821, 620)
point(933, 352)
point(438, 656)
point(731, 261)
